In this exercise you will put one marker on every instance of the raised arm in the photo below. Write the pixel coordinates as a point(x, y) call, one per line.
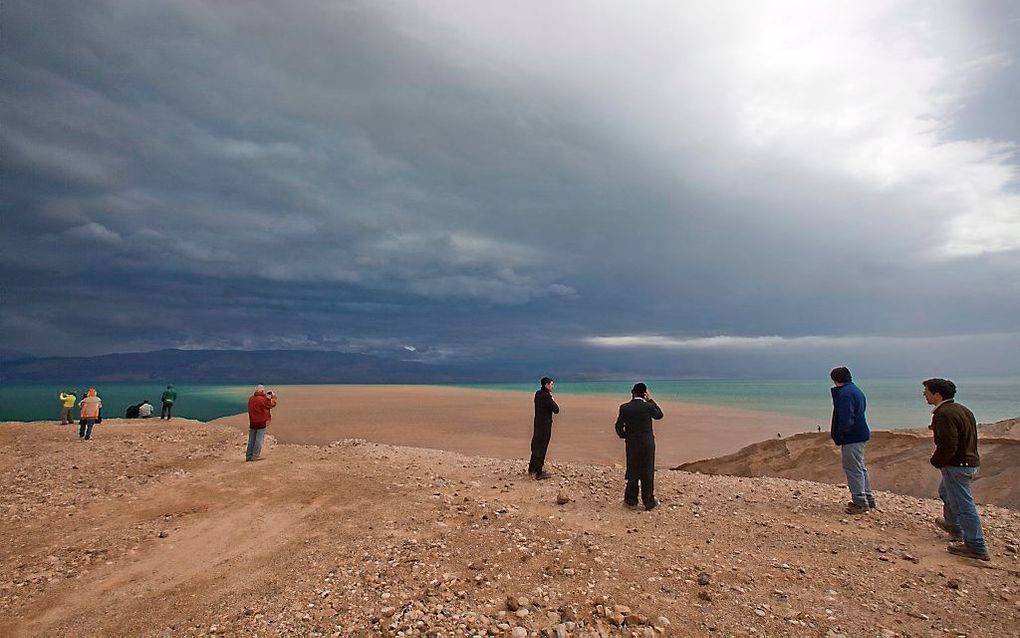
point(550, 403)
point(654, 409)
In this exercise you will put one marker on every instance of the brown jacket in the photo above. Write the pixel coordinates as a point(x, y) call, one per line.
point(955, 436)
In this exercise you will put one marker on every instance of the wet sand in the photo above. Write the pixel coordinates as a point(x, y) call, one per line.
point(499, 423)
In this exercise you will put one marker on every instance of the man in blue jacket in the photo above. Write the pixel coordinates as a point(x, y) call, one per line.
point(850, 432)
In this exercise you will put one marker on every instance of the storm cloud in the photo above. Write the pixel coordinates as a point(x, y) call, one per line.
point(663, 188)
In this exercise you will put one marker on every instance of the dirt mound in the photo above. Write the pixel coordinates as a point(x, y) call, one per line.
point(162, 529)
point(897, 461)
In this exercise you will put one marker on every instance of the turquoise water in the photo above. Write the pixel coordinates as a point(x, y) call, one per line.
point(202, 402)
point(892, 403)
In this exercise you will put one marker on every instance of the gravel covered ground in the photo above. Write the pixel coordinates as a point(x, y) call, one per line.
point(161, 529)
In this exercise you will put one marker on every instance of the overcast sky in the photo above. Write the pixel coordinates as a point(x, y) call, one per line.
point(665, 189)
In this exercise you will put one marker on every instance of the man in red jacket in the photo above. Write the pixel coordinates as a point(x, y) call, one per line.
point(260, 405)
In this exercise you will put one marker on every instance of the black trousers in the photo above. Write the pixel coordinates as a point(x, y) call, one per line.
point(539, 445)
point(647, 484)
point(167, 410)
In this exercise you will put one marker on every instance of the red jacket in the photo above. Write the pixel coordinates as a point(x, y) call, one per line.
point(259, 406)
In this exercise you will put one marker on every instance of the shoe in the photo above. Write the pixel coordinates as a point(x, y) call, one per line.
point(650, 506)
point(871, 504)
point(541, 476)
point(967, 552)
point(857, 508)
point(88, 438)
point(954, 532)
point(630, 505)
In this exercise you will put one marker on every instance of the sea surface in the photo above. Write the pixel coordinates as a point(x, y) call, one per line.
point(202, 402)
point(892, 403)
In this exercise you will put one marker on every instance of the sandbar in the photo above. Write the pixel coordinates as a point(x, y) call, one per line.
point(498, 424)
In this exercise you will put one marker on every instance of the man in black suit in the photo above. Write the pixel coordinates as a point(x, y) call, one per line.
point(635, 425)
point(545, 408)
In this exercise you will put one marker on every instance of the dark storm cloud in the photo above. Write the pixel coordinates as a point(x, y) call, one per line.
point(476, 181)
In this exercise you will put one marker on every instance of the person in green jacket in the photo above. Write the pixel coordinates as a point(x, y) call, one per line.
point(168, 398)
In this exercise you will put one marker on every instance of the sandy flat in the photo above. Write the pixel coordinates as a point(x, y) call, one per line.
point(499, 423)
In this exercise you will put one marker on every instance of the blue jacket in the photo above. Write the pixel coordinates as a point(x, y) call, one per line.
point(848, 422)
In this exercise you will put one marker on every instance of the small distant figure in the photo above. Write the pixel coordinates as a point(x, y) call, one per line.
point(956, 456)
point(634, 424)
point(145, 410)
point(819, 428)
point(67, 403)
point(90, 415)
point(545, 408)
point(260, 406)
point(851, 433)
point(779, 435)
point(168, 398)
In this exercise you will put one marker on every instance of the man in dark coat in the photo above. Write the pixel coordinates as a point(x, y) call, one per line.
point(634, 424)
point(545, 408)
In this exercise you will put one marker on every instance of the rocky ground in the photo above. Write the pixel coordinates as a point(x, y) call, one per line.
point(162, 529)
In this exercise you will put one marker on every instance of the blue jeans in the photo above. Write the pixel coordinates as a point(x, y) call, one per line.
point(856, 473)
point(255, 439)
point(85, 429)
point(958, 507)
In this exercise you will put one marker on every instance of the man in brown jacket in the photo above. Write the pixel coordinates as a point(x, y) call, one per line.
point(956, 456)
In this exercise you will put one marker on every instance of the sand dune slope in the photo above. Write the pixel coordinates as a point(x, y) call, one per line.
point(897, 462)
point(161, 529)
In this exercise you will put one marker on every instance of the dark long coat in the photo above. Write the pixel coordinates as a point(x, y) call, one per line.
point(635, 425)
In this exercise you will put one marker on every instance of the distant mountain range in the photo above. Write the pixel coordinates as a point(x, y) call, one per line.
point(228, 366)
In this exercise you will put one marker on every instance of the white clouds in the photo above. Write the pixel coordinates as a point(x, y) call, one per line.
point(695, 343)
point(93, 231)
point(865, 93)
point(727, 342)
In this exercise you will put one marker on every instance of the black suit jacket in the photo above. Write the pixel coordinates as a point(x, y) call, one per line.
point(635, 424)
point(635, 418)
point(545, 407)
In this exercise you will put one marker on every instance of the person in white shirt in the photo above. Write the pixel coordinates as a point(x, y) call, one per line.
point(90, 407)
point(145, 410)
